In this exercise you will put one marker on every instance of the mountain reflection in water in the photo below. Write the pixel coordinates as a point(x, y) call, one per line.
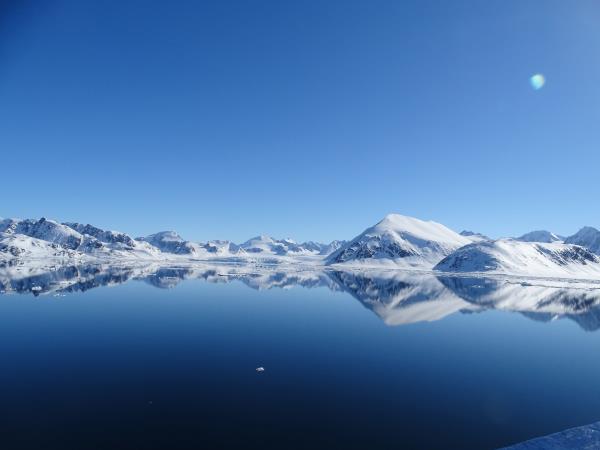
point(397, 297)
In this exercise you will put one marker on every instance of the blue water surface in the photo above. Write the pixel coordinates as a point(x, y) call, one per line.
point(135, 366)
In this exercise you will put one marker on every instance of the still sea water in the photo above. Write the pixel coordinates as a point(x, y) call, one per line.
point(118, 357)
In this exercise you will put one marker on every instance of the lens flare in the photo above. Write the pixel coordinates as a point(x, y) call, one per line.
point(537, 81)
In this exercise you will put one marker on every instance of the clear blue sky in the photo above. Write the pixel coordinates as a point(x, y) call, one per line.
point(309, 119)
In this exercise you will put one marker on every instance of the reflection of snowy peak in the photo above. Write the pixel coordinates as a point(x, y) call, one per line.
point(399, 297)
point(587, 237)
point(540, 236)
point(405, 240)
point(543, 302)
point(523, 258)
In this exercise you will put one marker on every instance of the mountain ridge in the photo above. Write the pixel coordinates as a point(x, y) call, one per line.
point(396, 241)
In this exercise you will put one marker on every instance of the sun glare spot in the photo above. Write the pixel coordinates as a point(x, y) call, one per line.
point(537, 81)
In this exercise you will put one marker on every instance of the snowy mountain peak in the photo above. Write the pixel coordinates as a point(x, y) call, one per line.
point(588, 237)
point(540, 236)
point(418, 230)
point(405, 240)
point(171, 242)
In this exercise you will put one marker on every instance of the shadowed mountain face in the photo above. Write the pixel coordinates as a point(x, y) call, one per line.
point(396, 297)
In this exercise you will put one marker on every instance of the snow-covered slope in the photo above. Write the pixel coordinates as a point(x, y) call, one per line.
point(508, 256)
point(587, 237)
point(540, 236)
point(14, 246)
point(401, 240)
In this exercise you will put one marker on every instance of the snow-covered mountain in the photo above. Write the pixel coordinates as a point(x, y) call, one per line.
point(540, 236)
point(30, 237)
point(396, 242)
point(26, 238)
point(171, 242)
point(222, 248)
point(109, 237)
point(287, 247)
point(473, 236)
point(508, 256)
point(587, 237)
point(43, 229)
point(402, 241)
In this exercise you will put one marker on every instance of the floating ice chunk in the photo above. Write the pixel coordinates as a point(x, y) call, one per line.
point(260, 369)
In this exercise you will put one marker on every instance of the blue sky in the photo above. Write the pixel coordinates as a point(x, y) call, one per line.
point(312, 119)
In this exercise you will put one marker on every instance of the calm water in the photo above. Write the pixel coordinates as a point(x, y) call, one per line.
point(99, 357)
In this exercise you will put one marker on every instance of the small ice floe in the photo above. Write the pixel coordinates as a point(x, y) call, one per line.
point(260, 369)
